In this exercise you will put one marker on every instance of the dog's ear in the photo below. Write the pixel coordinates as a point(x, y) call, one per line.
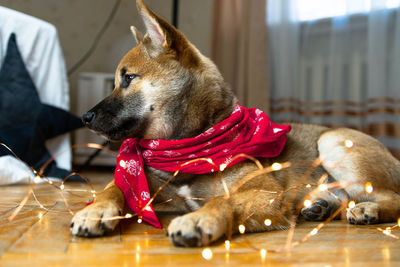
point(137, 34)
point(162, 37)
point(157, 29)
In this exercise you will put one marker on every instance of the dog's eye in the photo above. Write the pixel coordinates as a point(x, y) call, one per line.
point(130, 77)
point(127, 79)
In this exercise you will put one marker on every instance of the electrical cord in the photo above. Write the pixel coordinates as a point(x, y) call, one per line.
point(96, 39)
point(86, 56)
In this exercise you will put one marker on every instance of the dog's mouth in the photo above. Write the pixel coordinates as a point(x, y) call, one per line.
point(129, 128)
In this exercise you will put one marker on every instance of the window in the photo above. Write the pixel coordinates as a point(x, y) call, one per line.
point(319, 9)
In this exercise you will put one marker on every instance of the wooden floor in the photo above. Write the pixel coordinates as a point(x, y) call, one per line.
point(39, 237)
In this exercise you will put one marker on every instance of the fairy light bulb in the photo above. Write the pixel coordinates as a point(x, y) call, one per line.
point(369, 188)
point(276, 166)
point(207, 254)
point(137, 257)
point(307, 203)
point(222, 167)
point(348, 143)
point(62, 187)
point(267, 222)
point(37, 179)
point(227, 244)
point(122, 163)
point(242, 229)
point(322, 187)
point(314, 231)
point(387, 231)
point(128, 215)
point(263, 253)
point(352, 204)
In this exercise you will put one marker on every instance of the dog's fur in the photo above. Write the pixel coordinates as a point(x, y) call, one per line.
point(166, 89)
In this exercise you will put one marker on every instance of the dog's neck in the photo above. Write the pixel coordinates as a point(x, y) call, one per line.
point(206, 116)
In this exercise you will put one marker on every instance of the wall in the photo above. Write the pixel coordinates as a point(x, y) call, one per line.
point(79, 21)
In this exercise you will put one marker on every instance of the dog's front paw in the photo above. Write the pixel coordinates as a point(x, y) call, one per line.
point(363, 213)
point(94, 219)
point(319, 211)
point(195, 229)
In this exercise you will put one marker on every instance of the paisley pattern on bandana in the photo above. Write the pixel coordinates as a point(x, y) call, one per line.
point(247, 131)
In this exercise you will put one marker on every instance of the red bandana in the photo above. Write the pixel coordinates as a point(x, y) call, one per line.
point(247, 131)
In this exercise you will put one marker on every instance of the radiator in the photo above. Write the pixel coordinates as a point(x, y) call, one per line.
point(317, 77)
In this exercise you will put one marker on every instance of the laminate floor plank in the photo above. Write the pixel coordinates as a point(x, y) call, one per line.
point(36, 237)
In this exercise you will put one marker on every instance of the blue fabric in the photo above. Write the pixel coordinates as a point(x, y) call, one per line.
point(25, 122)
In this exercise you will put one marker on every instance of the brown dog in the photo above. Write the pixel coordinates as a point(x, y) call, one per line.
point(166, 89)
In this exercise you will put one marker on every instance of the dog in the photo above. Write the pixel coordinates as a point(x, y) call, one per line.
point(166, 89)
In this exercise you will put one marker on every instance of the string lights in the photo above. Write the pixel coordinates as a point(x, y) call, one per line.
point(352, 204)
point(207, 253)
point(227, 245)
point(242, 229)
point(369, 188)
point(307, 203)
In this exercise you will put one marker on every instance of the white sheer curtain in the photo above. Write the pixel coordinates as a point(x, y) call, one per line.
point(336, 63)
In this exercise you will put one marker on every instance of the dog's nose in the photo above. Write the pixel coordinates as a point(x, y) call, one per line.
point(88, 117)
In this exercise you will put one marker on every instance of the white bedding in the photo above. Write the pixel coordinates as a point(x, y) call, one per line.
point(41, 51)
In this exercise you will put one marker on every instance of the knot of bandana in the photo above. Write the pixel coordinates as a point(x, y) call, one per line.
point(247, 131)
